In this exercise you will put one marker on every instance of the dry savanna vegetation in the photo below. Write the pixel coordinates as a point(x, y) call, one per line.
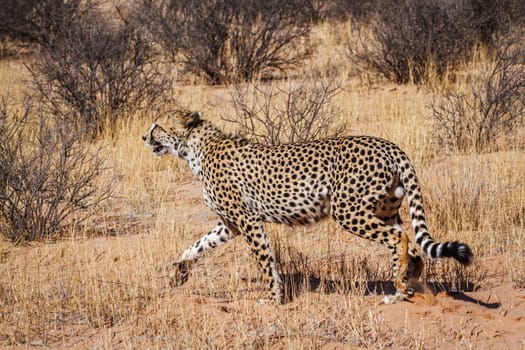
point(90, 218)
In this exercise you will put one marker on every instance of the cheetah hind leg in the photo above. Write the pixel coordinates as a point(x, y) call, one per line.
point(400, 282)
point(415, 269)
point(401, 269)
point(414, 262)
point(410, 276)
point(395, 239)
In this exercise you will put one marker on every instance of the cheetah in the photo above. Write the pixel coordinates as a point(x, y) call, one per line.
point(360, 181)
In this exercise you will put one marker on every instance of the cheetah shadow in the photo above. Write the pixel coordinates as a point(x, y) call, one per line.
point(296, 284)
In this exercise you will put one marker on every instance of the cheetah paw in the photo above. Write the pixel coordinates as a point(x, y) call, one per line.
point(392, 299)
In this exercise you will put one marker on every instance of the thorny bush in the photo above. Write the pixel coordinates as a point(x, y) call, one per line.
point(229, 41)
point(417, 41)
point(98, 70)
point(303, 111)
point(493, 107)
point(48, 177)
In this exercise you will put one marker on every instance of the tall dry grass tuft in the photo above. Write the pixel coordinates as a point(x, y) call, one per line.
point(478, 199)
point(97, 284)
point(479, 195)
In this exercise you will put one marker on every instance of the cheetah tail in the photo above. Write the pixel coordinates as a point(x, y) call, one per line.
point(459, 251)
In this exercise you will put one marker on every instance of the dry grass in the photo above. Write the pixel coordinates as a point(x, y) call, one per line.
point(104, 291)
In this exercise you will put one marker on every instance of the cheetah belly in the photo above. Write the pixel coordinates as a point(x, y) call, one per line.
point(302, 208)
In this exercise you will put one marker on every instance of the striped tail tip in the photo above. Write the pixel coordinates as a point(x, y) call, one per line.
point(459, 251)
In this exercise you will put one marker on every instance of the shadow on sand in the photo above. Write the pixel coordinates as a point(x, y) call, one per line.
point(298, 283)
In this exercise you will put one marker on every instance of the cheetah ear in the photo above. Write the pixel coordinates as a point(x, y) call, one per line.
point(192, 120)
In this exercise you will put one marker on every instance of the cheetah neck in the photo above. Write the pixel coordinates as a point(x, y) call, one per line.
point(199, 141)
point(193, 157)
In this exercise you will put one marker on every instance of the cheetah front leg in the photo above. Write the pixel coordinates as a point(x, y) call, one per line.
point(256, 237)
point(179, 270)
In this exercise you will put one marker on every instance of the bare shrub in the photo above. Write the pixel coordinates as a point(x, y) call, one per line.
point(97, 70)
point(48, 179)
point(40, 21)
point(492, 19)
point(227, 41)
point(411, 38)
point(493, 107)
point(356, 9)
point(420, 40)
point(301, 112)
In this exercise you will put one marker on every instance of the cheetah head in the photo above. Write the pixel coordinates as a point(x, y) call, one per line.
point(169, 133)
